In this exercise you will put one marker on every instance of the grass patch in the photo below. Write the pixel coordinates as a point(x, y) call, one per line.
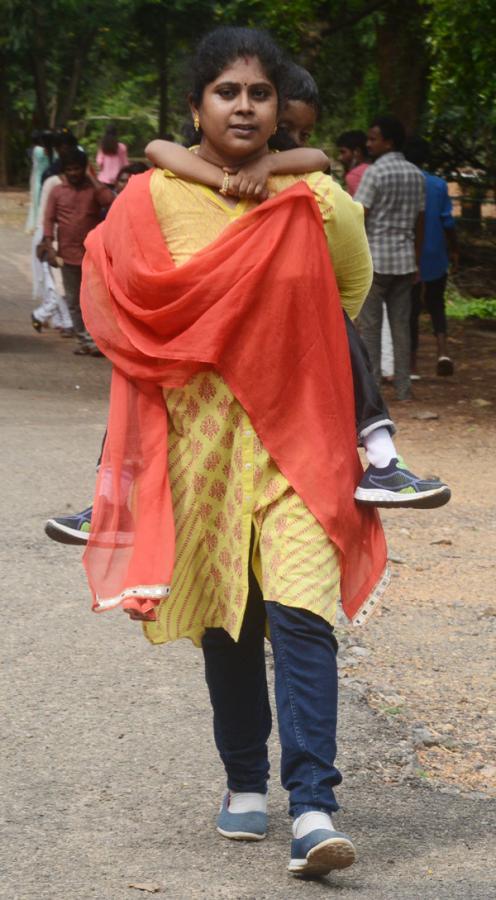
point(458, 307)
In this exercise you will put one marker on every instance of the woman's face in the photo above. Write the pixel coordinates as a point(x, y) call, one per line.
point(238, 112)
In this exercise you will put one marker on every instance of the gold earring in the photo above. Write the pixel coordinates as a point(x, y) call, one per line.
point(196, 121)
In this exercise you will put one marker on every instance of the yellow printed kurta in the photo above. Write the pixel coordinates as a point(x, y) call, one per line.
point(223, 481)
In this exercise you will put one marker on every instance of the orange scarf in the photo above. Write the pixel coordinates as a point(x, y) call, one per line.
point(259, 305)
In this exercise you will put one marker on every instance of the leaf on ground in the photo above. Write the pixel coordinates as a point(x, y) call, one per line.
point(425, 414)
point(150, 886)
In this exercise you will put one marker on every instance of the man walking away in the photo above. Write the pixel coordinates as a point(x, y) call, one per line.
point(392, 192)
point(439, 239)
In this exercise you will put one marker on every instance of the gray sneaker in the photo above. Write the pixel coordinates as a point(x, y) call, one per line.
point(396, 486)
point(249, 826)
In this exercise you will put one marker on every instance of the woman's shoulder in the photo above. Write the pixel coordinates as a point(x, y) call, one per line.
point(334, 201)
point(327, 192)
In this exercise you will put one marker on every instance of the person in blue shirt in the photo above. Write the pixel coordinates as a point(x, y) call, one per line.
point(439, 248)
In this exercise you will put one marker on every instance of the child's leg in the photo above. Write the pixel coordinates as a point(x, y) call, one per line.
point(374, 424)
point(387, 481)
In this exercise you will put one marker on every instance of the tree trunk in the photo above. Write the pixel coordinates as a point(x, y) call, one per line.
point(4, 174)
point(163, 87)
point(38, 56)
point(65, 108)
point(161, 49)
point(402, 61)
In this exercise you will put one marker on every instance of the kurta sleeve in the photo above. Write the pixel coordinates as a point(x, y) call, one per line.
point(347, 241)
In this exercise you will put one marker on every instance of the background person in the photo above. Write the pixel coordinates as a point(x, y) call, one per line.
point(53, 310)
point(353, 156)
point(136, 168)
point(63, 142)
point(392, 193)
point(73, 209)
point(111, 157)
point(41, 157)
point(440, 246)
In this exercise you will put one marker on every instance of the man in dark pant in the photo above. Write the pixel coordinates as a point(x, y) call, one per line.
point(431, 295)
point(392, 194)
point(439, 239)
point(71, 277)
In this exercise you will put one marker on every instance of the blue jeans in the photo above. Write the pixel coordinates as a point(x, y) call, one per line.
point(304, 649)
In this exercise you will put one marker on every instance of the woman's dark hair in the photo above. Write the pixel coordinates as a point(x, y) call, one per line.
point(391, 130)
point(74, 157)
point(353, 140)
point(110, 142)
point(44, 139)
point(417, 151)
point(64, 138)
point(298, 84)
point(136, 168)
point(224, 45)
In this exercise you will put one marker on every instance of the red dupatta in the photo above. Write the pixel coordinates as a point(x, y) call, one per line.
point(260, 305)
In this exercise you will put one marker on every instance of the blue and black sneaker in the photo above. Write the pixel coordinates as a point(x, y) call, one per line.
point(396, 486)
point(70, 529)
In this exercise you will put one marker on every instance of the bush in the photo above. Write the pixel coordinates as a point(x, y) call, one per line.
point(458, 307)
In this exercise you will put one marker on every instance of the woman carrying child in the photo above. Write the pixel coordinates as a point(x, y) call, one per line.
point(232, 442)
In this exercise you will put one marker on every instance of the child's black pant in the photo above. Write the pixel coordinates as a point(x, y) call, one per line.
point(370, 409)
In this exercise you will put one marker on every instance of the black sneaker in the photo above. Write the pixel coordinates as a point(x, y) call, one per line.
point(70, 529)
point(445, 366)
point(37, 325)
point(396, 486)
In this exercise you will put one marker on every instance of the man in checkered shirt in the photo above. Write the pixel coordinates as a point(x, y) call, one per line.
point(392, 192)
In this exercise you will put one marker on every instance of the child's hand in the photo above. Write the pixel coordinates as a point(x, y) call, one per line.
point(250, 182)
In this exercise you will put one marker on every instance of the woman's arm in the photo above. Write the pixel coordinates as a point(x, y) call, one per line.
point(184, 164)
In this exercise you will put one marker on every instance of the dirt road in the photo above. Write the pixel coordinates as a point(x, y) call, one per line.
point(109, 772)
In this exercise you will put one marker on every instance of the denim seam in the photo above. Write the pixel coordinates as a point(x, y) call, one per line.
point(299, 736)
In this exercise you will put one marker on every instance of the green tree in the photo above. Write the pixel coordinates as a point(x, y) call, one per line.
point(462, 98)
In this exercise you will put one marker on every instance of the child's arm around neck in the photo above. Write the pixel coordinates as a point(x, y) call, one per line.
point(249, 181)
point(184, 163)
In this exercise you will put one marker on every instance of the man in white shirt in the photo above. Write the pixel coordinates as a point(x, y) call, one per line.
point(392, 192)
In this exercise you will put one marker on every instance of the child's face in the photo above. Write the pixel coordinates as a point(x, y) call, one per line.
point(298, 119)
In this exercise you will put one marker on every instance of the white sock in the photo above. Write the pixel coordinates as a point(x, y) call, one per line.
point(246, 802)
point(309, 821)
point(379, 447)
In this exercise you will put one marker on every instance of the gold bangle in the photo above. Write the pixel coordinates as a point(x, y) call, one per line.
point(226, 183)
